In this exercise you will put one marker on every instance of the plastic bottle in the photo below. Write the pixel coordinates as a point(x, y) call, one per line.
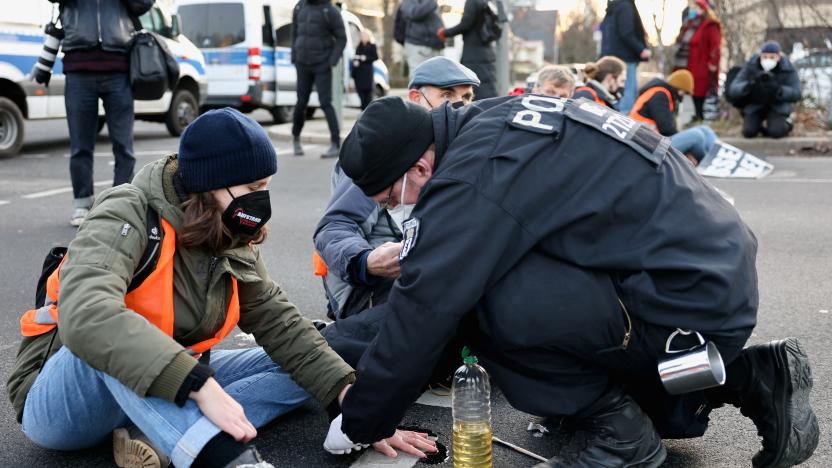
point(471, 394)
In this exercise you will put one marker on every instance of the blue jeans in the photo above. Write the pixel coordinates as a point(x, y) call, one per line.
point(81, 99)
point(72, 406)
point(696, 141)
point(628, 98)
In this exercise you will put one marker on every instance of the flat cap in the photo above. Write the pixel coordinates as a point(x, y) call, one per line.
point(442, 72)
point(389, 137)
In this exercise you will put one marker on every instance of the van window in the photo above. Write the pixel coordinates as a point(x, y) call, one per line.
point(284, 35)
point(213, 24)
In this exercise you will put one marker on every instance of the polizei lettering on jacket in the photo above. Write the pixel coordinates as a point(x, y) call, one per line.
point(247, 219)
point(538, 114)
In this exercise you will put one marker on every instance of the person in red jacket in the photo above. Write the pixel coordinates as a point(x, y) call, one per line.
point(697, 50)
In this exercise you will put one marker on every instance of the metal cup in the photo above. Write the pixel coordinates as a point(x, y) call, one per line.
point(695, 368)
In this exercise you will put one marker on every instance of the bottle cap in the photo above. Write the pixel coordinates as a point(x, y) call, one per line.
point(467, 358)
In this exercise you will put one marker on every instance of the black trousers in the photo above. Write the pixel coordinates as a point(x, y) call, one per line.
point(487, 73)
point(366, 96)
point(321, 77)
point(776, 125)
point(698, 106)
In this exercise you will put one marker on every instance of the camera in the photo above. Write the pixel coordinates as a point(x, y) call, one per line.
point(42, 71)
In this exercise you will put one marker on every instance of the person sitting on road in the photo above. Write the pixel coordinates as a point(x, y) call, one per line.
point(766, 89)
point(566, 243)
point(358, 240)
point(657, 105)
point(555, 81)
point(605, 81)
point(120, 354)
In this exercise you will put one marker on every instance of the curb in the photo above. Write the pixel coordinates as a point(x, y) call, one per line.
point(791, 146)
point(309, 136)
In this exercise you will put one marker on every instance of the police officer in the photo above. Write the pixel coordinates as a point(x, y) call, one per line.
point(565, 242)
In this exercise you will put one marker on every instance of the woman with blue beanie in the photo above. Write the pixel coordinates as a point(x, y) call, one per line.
point(161, 270)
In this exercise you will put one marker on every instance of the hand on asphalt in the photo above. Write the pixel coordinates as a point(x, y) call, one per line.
point(414, 443)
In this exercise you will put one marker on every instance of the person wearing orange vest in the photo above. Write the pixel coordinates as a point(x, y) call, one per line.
point(605, 81)
point(118, 355)
point(658, 104)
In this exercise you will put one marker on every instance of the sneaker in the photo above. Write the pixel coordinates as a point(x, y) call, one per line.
point(620, 435)
point(136, 451)
point(332, 152)
point(249, 459)
point(297, 147)
point(776, 397)
point(78, 216)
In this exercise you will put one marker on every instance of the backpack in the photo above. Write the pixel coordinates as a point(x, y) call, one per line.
point(399, 27)
point(490, 28)
point(737, 102)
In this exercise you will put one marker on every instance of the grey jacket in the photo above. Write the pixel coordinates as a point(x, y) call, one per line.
point(423, 21)
point(90, 23)
point(351, 225)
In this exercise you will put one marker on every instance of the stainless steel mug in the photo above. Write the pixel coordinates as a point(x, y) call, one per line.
point(692, 369)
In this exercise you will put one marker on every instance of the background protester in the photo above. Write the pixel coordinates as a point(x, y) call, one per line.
point(698, 50)
point(362, 68)
point(623, 36)
point(318, 40)
point(605, 80)
point(478, 55)
point(766, 89)
point(555, 81)
point(658, 105)
point(96, 64)
point(422, 20)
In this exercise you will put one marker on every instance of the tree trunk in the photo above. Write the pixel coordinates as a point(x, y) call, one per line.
point(389, 8)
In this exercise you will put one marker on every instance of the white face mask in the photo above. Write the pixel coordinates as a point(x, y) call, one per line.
point(768, 64)
point(402, 211)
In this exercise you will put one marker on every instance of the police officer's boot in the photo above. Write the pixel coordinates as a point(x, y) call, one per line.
point(770, 383)
point(622, 436)
point(296, 146)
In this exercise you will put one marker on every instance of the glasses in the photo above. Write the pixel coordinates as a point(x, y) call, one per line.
point(385, 204)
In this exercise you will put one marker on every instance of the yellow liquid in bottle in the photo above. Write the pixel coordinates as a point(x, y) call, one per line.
point(472, 445)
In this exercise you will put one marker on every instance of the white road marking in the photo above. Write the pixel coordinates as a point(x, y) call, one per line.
point(35, 156)
point(372, 459)
point(4, 202)
point(432, 399)
point(823, 311)
point(58, 191)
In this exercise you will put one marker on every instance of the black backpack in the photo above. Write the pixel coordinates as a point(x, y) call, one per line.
point(490, 28)
point(153, 68)
point(738, 102)
point(399, 27)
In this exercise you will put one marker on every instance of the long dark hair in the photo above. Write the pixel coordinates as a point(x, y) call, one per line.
point(203, 227)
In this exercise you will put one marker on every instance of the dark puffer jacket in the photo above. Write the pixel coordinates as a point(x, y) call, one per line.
point(423, 21)
point(760, 90)
point(473, 48)
point(623, 31)
point(318, 36)
point(88, 24)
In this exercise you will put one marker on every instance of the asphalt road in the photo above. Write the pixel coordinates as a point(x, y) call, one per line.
point(789, 212)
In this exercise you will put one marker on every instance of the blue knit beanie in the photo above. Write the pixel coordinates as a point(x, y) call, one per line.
point(770, 47)
point(224, 148)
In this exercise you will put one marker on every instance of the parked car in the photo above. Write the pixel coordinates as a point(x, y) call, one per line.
point(247, 47)
point(815, 72)
point(21, 41)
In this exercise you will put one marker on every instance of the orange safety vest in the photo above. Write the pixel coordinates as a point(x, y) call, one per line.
point(593, 93)
point(642, 100)
point(318, 265)
point(153, 300)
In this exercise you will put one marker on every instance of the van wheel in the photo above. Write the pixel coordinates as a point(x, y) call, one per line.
point(183, 110)
point(101, 122)
point(282, 114)
point(11, 128)
point(310, 113)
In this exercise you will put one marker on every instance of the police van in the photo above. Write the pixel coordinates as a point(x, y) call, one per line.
point(21, 42)
point(247, 46)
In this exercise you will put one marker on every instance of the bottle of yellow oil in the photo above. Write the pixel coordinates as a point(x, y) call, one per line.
point(471, 395)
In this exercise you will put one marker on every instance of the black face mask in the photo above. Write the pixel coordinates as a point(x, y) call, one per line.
point(248, 213)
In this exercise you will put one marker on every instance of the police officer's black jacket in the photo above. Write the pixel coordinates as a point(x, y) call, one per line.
point(516, 187)
point(318, 37)
point(762, 91)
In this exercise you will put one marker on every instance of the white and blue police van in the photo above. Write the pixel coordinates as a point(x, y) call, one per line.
point(21, 42)
point(247, 46)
